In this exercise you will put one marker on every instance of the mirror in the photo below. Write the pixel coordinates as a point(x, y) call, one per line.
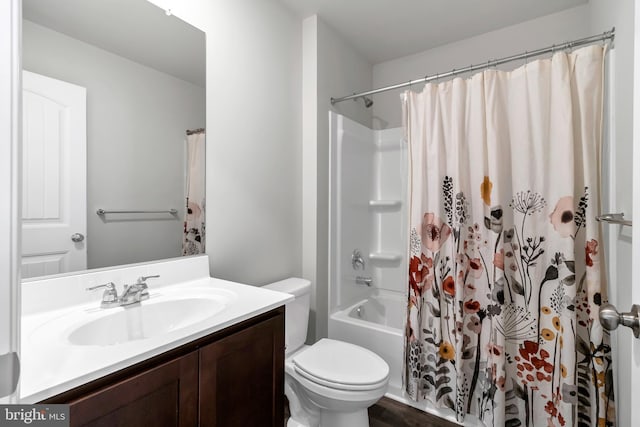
point(110, 89)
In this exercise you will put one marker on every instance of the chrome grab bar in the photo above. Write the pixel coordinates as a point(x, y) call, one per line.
point(104, 211)
point(614, 218)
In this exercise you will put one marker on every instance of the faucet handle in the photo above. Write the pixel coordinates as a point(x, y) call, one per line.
point(143, 279)
point(110, 287)
point(110, 295)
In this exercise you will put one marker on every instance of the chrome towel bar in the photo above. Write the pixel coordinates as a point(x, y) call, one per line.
point(104, 212)
point(614, 218)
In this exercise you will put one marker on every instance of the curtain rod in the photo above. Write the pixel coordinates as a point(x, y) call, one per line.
point(194, 131)
point(607, 35)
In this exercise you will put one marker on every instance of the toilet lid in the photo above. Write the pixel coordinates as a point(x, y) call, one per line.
point(338, 363)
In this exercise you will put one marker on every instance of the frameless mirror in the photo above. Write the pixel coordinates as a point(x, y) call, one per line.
point(110, 89)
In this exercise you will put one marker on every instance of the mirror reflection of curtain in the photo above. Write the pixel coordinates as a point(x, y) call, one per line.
point(194, 227)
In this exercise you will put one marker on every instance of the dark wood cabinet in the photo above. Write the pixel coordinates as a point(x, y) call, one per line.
point(240, 379)
point(162, 396)
point(234, 377)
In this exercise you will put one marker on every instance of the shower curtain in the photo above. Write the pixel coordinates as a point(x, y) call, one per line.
point(506, 274)
point(194, 226)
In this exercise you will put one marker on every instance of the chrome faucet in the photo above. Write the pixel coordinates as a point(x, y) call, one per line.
point(132, 294)
point(137, 292)
point(362, 280)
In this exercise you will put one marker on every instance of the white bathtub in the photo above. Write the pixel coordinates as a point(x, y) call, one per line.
point(377, 323)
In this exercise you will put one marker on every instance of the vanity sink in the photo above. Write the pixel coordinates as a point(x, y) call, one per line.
point(144, 320)
point(166, 312)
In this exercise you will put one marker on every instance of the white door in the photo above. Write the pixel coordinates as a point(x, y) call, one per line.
point(625, 286)
point(53, 176)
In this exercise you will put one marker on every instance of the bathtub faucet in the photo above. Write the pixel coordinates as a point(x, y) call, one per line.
point(361, 280)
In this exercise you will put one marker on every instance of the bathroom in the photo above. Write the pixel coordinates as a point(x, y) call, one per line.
point(272, 68)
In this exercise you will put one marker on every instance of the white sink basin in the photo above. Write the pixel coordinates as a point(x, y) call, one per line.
point(164, 313)
point(144, 320)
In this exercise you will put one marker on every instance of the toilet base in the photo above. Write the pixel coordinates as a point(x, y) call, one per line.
point(358, 418)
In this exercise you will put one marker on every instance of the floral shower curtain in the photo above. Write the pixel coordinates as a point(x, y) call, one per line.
point(194, 227)
point(506, 274)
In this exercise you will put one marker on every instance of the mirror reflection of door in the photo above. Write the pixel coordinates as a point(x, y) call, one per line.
point(54, 176)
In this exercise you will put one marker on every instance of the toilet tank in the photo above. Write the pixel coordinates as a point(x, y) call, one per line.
point(297, 311)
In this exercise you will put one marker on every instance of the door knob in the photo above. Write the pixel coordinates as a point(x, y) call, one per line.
point(610, 318)
point(77, 237)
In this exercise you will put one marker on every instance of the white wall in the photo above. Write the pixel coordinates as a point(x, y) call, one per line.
point(530, 35)
point(136, 122)
point(254, 136)
point(331, 68)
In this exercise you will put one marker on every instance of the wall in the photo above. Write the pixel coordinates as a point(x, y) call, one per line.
point(331, 68)
point(530, 35)
point(136, 119)
point(254, 146)
point(605, 15)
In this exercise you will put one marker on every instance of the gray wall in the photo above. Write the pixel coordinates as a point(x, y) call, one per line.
point(136, 119)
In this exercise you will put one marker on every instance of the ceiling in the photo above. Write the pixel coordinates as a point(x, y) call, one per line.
point(384, 29)
point(163, 42)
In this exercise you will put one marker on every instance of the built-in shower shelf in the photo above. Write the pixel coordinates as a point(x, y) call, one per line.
point(385, 205)
point(385, 257)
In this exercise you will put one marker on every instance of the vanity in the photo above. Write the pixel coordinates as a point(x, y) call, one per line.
point(199, 351)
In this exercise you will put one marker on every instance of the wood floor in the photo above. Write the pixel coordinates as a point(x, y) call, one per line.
point(389, 413)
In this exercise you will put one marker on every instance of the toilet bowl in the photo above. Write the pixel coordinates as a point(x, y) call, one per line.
point(330, 383)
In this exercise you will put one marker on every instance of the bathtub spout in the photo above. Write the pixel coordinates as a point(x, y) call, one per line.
point(361, 280)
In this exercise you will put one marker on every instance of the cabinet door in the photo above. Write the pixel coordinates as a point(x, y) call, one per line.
point(162, 396)
point(242, 378)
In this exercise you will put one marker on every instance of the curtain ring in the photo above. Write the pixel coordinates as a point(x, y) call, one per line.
point(526, 57)
point(570, 46)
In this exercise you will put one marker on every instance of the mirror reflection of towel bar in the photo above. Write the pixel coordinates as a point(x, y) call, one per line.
point(104, 212)
point(614, 218)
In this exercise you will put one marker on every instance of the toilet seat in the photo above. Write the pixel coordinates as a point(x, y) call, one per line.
point(342, 366)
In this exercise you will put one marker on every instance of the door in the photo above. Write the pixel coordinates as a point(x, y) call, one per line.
point(242, 377)
point(164, 396)
point(53, 176)
point(625, 263)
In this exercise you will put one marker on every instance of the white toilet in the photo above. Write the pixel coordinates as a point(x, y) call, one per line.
point(330, 383)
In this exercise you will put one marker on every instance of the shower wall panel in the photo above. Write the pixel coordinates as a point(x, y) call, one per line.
point(388, 210)
point(351, 177)
point(368, 210)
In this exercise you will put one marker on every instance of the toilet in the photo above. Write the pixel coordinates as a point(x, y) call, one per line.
point(330, 383)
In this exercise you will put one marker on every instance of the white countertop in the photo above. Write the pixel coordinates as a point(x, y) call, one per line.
point(51, 364)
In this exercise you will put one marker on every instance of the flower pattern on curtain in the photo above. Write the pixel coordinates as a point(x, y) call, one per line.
point(194, 224)
point(505, 270)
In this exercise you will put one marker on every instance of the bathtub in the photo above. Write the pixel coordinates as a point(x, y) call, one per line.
point(377, 323)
